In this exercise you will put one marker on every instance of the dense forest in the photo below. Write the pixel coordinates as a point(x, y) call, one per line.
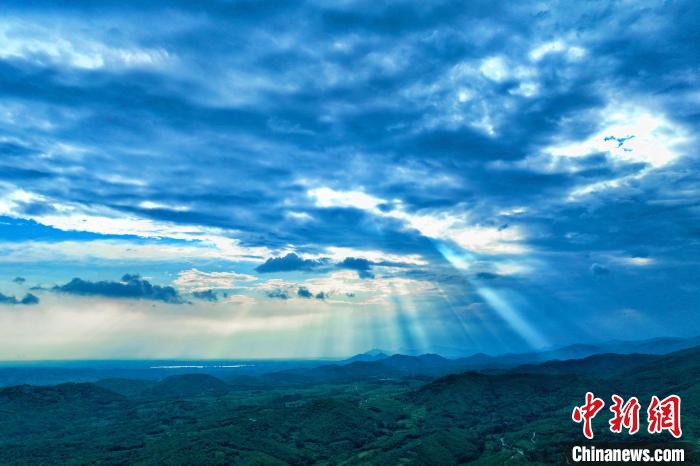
point(369, 410)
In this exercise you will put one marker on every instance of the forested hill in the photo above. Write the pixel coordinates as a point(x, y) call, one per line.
point(351, 413)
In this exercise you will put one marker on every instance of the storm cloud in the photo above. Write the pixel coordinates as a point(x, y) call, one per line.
point(289, 263)
point(131, 286)
point(535, 153)
point(362, 266)
point(28, 299)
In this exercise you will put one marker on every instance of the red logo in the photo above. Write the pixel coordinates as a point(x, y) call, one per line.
point(662, 415)
point(665, 415)
point(587, 412)
point(626, 415)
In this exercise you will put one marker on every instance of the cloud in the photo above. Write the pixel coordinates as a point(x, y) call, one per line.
point(573, 123)
point(131, 286)
point(19, 280)
point(69, 48)
point(27, 300)
point(277, 294)
point(281, 289)
point(362, 266)
point(598, 269)
point(304, 292)
point(208, 295)
point(289, 263)
point(196, 280)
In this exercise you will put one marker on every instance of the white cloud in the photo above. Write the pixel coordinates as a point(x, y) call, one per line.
point(120, 250)
point(380, 288)
point(494, 68)
point(197, 280)
point(436, 224)
point(629, 134)
point(490, 240)
point(573, 53)
point(11, 200)
point(526, 89)
point(549, 47)
point(207, 242)
point(326, 197)
point(299, 216)
point(150, 205)
point(27, 41)
point(238, 299)
point(464, 95)
point(71, 328)
point(337, 254)
point(576, 53)
point(338, 285)
point(631, 261)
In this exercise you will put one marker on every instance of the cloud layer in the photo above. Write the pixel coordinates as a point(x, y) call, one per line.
point(28, 299)
point(130, 286)
point(498, 174)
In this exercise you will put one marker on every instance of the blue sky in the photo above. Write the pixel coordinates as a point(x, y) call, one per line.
point(243, 179)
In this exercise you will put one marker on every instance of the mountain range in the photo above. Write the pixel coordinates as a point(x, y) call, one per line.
point(396, 409)
point(375, 363)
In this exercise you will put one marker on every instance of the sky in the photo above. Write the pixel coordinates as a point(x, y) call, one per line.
point(296, 180)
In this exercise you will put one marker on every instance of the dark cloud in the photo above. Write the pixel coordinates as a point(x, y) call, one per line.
point(277, 294)
point(19, 280)
point(362, 266)
point(7, 299)
point(27, 300)
point(131, 286)
point(207, 295)
point(289, 263)
point(304, 292)
point(487, 276)
point(393, 97)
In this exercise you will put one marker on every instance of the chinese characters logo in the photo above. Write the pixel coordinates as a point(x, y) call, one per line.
point(662, 415)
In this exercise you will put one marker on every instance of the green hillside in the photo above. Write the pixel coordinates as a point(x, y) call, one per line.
point(365, 412)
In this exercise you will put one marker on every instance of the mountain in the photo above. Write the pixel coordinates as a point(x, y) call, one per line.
point(477, 359)
point(375, 365)
point(382, 368)
point(425, 364)
point(333, 373)
point(385, 368)
point(451, 352)
point(56, 372)
point(651, 346)
point(246, 373)
point(509, 361)
point(187, 385)
point(127, 387)
point(525, 417)
point(29, 411)
point(371, 355)
point(607, 364)
point(343, 413)
point(77, 394)
point(674, 371)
